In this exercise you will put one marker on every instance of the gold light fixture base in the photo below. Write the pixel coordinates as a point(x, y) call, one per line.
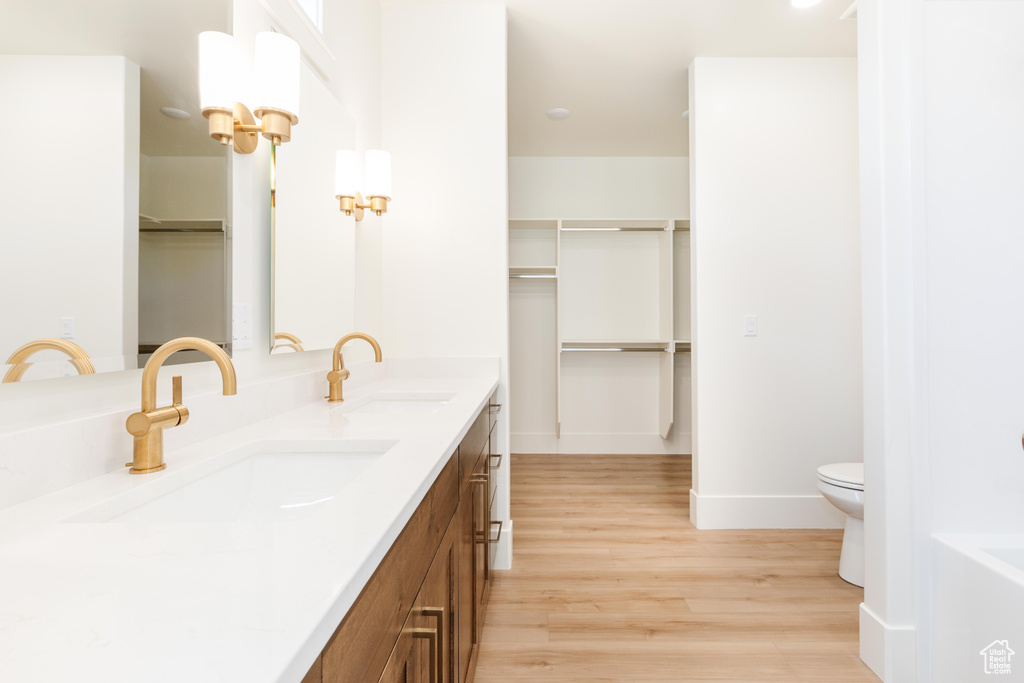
point(356, 206)
point(240, 128)
point(245, 127)
point(379, 205)
point(277, 124)
point(236, 126)
point(352, 206)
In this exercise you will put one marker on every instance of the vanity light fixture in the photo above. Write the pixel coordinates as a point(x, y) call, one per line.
point(377, 182)
point(277, 94)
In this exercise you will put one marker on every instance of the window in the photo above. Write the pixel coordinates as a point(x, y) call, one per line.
point(314, 9)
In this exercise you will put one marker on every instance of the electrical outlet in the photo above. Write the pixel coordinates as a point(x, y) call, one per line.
point(750, 326)
point(241, 326)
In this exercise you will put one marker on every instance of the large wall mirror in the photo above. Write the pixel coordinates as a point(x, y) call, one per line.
point(115, 216)
point(313, 247)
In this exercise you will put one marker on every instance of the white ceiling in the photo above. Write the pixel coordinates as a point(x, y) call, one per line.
point(158, 35)
point(620, 65)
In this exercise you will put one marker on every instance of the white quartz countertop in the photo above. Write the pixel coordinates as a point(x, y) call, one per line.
point(232, 601)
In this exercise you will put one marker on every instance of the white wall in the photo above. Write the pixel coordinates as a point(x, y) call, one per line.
point(183, 188)
point(598, 187)
point(347, 57)
point(775, 230)
point(445, 234)
point(941, 143)
point(69, 205)
point(314, 243)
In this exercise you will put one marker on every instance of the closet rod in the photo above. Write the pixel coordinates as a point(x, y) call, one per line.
point(531, 276)
point(613, 229)
point(615, 349)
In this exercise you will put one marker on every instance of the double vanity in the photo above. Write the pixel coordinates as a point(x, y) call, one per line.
point(346, 541)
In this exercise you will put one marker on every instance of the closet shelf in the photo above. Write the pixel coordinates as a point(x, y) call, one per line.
point(613, 229)
point(533, 224)
point(151, 224)
point(533, 272)
point(611, 345)
point(681, 225)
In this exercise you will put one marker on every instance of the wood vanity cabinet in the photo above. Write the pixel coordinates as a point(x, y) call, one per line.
point(420, 617)
point(426, 647)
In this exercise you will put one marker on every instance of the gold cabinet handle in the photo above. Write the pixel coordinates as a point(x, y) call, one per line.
point(431, 635)
point(437, 613)
point(498, 537)
point(498, 456)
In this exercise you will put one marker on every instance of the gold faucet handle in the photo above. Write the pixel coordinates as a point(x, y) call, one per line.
point(338, 375)
point(176, 400)
point(141, 424)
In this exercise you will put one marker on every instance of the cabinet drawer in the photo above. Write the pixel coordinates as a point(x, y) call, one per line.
point(362, 644)
point(472, 445)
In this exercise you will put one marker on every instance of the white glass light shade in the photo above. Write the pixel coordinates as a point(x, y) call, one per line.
point(216, 70)
point(277, 70)
point(378, 173)
point(346, 174)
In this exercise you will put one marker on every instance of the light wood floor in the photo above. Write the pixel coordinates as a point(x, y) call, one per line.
point(611, 582)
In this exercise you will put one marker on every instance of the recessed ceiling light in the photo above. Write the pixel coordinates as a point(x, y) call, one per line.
point(802, 4)
point(558, 114)
point(173, 113)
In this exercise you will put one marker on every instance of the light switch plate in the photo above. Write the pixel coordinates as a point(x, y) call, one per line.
point(67, 328)
point(241, 326)
point(750, 326)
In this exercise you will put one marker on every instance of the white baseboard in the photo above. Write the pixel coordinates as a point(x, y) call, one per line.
point(601, 444)
point(764, 512)
point(503, 557)
point(891, 652)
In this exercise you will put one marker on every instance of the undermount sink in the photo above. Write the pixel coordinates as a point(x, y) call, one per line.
point(401, 404)
point(265, 482)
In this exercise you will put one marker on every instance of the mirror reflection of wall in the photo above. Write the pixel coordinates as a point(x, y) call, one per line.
point(313, 250)
point(114, 215)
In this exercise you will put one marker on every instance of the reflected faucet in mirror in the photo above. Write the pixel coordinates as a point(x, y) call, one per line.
point(340, 373)
point(296, 343)
point(19, 359)
point(148, 424)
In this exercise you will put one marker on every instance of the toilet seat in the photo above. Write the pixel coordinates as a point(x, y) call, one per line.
point(847, 475)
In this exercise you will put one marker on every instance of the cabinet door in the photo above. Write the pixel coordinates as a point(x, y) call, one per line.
point(435, 612)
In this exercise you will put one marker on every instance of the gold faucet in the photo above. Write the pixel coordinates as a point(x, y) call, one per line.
point(340, 373)
point(79, 358)
point(148, 425)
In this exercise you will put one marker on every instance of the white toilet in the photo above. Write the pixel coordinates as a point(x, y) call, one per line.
point(842, 484)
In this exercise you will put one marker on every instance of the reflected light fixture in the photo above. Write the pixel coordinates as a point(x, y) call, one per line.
point(277, 93)
point(377, 183)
